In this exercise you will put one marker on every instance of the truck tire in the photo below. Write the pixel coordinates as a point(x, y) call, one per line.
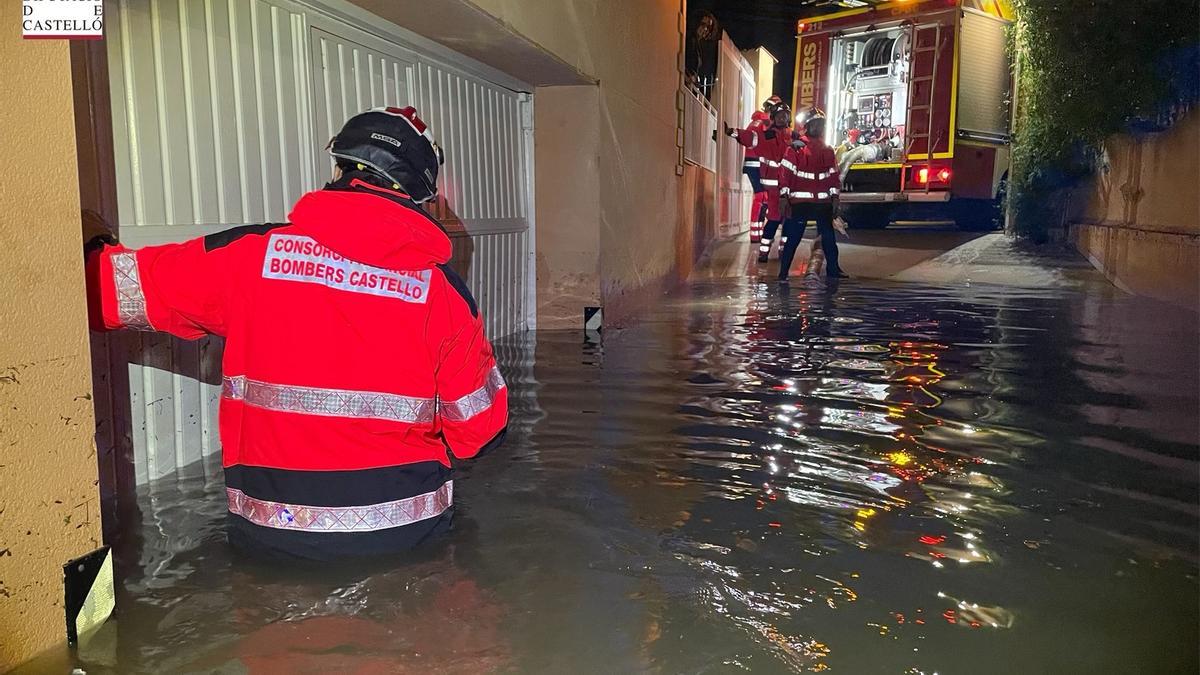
point(867, 216)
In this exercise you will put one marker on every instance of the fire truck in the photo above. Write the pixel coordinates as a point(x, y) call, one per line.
point(916, 93)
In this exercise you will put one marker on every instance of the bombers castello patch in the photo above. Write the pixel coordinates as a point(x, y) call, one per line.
point(298, 258)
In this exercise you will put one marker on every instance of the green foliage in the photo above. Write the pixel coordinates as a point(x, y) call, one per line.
point(1084, 69)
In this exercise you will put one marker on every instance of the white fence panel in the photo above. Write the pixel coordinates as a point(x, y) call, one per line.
point(699, 125)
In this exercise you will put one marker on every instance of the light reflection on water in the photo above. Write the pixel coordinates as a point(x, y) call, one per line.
point(874, 478)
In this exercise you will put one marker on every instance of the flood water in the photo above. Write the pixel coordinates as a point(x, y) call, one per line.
point(876, 478)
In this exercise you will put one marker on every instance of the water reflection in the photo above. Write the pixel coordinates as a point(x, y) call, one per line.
point(859, 479)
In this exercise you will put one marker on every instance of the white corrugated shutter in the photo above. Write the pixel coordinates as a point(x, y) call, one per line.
point(209, 113)
point(221, 113)
point(348, 78)
point(735, 86)
point(983, 75)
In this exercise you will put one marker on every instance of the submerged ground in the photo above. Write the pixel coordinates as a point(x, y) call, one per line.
point(966, 468)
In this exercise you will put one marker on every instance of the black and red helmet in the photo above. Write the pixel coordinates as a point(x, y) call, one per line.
point(781, 107)
point(812, 121)
point(394, 143)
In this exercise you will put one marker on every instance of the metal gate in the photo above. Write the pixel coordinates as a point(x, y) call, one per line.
point(734, 99)
point(221, 113)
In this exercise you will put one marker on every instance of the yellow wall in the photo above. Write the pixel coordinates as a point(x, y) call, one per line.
point(1164, 168)
point(764, 73)
point(48, 495)
point(632, 48)
point(1141, 223)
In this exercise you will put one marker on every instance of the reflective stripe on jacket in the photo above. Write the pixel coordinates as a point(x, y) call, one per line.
point(775, 144)
point(811, 173)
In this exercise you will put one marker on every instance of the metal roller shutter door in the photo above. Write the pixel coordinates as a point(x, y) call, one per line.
point(221, 112)
point(983, 76)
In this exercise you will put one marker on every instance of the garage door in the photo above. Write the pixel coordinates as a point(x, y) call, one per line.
point(221, 113)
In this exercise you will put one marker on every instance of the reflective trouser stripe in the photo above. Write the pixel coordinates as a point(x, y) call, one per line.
point(365, 518)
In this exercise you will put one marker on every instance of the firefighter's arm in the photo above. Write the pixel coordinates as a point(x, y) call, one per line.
point(472, 394)
point(788, 174)
point(787, 177)
point(833, 177)
point(833, 182)
point(747, 138)
point(176, 288)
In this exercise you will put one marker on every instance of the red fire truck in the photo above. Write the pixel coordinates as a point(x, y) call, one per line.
point(916, 92)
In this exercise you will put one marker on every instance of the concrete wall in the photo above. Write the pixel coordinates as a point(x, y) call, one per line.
point(699, 227)
point(48, 498)
point(1141, 223)
point(632, 49)
point(607, 233)
point(566, 171)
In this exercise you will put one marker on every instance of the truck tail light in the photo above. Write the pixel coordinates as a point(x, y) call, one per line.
point(929, 177)
point(926, 175)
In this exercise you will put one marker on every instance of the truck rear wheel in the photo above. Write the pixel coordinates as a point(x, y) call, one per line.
point(867, 216)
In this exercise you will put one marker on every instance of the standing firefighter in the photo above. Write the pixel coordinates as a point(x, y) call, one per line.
point(749, 138)
point(355, 361)
point(811, 182)
point(774, 141)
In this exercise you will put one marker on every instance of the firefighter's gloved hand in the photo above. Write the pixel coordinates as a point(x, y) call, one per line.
point(96, 231)
point(839, 224)
point(729, 131)
point(785, 207)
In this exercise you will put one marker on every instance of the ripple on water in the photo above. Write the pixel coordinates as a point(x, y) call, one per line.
point(863, 349)
point(864, 365)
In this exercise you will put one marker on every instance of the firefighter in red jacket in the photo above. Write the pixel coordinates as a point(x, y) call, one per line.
point(751, 165)
point(355, 360)
point(810, 184)
point(774, 142)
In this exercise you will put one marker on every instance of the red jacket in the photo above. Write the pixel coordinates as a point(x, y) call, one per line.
point(355, 359)
point(810, 172)
point(773, 146)
point(749, 137)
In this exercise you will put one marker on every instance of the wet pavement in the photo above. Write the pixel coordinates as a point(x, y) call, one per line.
point(930, 253)
point(877, 477)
